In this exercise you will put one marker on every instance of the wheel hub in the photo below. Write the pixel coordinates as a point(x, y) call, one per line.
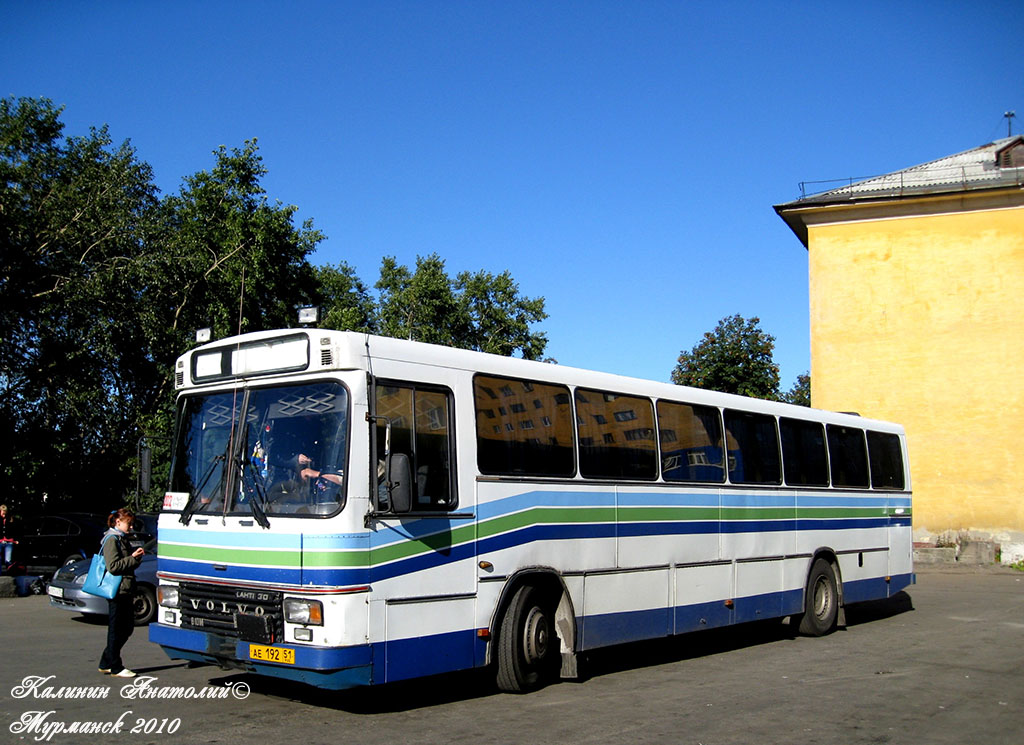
point(822, 598)
point(536, 636)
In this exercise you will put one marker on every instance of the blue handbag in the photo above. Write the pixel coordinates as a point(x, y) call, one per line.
point(99, 581)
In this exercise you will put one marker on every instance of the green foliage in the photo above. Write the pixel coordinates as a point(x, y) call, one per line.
point(800, 393)
point(420, 305)
point(345, 300)
point(478, 311)
point(736, 357)
point(74, 215)
point(499, 319)
point(102, 284)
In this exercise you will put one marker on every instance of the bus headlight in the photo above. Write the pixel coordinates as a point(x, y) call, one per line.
point(167, 596)
point(306, 612)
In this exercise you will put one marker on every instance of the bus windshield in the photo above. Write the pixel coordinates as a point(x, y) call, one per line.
point(265, 451)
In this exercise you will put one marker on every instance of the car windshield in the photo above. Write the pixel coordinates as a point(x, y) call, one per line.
point(265, 451)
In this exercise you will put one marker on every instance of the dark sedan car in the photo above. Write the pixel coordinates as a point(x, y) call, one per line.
point(48, 542)
point(51, 541)
point(65, 589)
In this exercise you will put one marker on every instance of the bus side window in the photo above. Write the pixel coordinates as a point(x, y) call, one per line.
point(421, 429)
point(752, 443)
point(886, 459)
point(848, 458)
point(804, 457)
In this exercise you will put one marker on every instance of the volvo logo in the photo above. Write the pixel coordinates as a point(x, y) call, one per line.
point(224, 607)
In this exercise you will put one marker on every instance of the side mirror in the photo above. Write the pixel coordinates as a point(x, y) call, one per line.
point(400, 482)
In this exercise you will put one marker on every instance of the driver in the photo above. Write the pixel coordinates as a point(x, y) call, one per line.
point(306, 483)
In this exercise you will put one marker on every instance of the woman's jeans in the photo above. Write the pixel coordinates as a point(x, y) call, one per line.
point(120, 625)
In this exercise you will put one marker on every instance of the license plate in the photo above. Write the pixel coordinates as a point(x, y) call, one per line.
point(271, 654)
point(57, 592)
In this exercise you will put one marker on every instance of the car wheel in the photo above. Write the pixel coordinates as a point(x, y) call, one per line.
point(144, 605)
point(71, 559)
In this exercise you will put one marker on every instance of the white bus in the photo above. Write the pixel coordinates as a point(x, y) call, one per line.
point(348, 510)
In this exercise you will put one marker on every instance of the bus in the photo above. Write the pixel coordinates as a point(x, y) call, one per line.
point(346, 510)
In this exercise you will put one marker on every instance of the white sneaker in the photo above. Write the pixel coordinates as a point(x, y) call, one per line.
point(125, 673)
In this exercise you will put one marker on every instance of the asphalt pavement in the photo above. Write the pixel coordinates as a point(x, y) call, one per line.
point(942, 662)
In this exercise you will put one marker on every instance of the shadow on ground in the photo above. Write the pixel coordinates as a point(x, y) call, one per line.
point(474, 684)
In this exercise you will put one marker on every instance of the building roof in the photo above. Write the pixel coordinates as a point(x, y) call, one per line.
point(997, 165)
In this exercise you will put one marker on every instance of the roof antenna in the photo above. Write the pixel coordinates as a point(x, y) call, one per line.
point(1009, 122)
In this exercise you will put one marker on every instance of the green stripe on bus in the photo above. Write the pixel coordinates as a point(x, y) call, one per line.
point(232, 555)
point(446, 540)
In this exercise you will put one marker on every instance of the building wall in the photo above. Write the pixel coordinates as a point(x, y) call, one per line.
point(920, 320)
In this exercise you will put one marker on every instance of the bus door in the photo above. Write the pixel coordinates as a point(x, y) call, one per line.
point(422, 557)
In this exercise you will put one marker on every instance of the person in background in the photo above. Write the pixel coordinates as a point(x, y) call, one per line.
point(121, 561)
point(7, 541)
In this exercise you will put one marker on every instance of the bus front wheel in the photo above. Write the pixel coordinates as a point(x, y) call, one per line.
point(821, 602)
point(527, 643)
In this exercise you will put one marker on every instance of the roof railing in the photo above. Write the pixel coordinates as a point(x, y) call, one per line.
point(918, 181)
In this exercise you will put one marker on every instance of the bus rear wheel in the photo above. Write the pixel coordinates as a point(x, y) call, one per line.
point(527, 643)
point(821, 602)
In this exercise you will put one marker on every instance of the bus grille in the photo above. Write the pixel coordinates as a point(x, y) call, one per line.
point(236, 612)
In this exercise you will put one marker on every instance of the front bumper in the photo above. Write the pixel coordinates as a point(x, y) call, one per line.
point(333, 668)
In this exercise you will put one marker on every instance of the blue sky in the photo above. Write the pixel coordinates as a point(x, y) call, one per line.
point(621, 159)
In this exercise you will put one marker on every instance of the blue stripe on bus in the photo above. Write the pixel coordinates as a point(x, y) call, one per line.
point(526, 500)
point(205, 537)
point(616, 628)
point(400, 659)
point(511, 539)
point(520, 502)
point(328, 667)
point(333, 668)
point(273, 575)
point(668, 499)
point(430, 655)
point(874, 588)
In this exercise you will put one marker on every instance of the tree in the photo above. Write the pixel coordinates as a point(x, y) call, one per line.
point(219, 255)
point(420, 305)
point(345, 300)
point(478, 311)
point(736, 357)
point(74, 212)
point(102, 284)
point(800, 393)
point(101, 287)
point(499, 317)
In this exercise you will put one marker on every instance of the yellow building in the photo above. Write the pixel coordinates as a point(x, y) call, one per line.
point(917, 316)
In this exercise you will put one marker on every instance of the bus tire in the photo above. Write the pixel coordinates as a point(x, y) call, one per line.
point(821, 602)
point(527, 643)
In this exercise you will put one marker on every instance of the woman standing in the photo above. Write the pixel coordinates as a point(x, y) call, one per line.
point(122, 562)
point(6, 537)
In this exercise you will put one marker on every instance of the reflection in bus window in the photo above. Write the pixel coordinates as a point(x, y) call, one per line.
point(616, 436)
point(420, 428)
point(282, 447)
point(753, 448)
point(523, 427)
point(691, 442)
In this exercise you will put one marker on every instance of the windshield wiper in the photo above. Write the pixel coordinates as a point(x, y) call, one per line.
point(258, 498)
point(194, 502)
